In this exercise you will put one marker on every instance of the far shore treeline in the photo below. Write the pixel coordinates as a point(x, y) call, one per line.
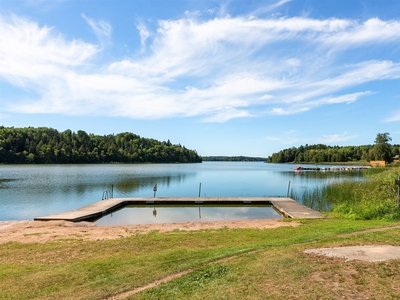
point(232, 158)
point(322, 153)
point(48, 146)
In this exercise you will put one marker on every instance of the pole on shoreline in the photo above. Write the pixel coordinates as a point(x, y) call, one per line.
point(288, 189)
point(155, 190)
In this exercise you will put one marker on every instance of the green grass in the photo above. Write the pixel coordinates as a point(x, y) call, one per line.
point(372, 199)
point(76, 269)
point(283, 272)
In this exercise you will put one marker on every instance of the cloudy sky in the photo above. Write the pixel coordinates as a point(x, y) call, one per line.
point(235, 77)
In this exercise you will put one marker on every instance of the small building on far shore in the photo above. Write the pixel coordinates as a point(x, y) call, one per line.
point(377, 163)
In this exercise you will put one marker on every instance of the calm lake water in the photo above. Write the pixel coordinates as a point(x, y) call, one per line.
point(28, 191)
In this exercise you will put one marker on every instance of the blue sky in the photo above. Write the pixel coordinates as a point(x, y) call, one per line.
point(221, 77)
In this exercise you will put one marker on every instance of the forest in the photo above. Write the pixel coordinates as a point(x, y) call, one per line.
point(44, 145)
point(322, 153)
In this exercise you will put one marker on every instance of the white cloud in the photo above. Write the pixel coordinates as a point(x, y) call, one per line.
point(273, 138)
point(294, 137)
point(288, 138)
point(226, 113)
point(269, 8)
point(220, 69)
point(295, 62)
point(365, 72)
point(101, 29)
point(334, 138)
point(300, 107)
point(395, 116)
point(371, 31)
point(30, 54)
point(280, 111)
point(144, 35)
point(346, 98)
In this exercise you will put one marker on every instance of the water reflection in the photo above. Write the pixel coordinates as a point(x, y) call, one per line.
point(325, 174)
point(133, 184)
point(172, 213)
point(31, 191)
point(3, 182)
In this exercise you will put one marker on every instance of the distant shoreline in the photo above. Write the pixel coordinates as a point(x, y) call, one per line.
point(233, 158)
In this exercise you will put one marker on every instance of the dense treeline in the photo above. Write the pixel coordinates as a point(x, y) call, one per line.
point(232, 158)
point(323, 153)
point(48, 146)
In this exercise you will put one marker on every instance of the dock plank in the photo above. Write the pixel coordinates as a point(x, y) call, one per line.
point(293, 209)
point(87, 212)
point(285, 206)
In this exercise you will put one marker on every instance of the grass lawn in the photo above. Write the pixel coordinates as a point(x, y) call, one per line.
point(222, 264)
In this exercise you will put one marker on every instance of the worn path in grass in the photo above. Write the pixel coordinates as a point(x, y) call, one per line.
point(367, 253)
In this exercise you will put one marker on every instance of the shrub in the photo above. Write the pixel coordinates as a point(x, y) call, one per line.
point(375, 198)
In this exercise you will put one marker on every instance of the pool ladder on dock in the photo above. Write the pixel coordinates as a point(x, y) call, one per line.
point(108, 194)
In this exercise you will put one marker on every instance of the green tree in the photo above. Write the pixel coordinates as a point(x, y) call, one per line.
point(382, 147)
point(47, 145)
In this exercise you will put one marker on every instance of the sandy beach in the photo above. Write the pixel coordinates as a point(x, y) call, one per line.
point(44, 231)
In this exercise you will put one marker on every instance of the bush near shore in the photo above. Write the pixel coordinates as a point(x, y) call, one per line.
point(375, 198)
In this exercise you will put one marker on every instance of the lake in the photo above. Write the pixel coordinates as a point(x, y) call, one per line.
point(29, 191)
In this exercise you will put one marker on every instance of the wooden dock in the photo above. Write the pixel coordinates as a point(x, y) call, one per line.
point(287, 207)
point(338, 169)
